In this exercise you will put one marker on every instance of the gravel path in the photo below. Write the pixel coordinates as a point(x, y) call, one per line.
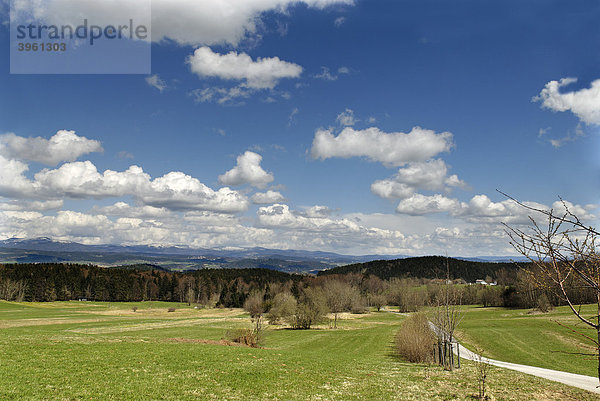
point(588, 383)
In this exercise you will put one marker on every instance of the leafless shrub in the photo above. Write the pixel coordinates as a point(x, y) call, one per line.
point(415, 340)
point(543, 304)
point(244, 336)
point(482, 369)
point(359, 304)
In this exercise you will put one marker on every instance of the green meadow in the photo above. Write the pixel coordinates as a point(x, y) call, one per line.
point(106, 351)
point(546, 340)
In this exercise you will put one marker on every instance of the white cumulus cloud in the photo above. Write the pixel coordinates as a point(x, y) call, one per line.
point(177, 190)
point(13, 182)
point(187, 22)
point(62, 146)
point(393, 149)
point(264, 73)
point(431, 175)
point(584, 103)
point(392, 189)
point(280, 216)
point(481, 210)
point(247, 171)
point(82, 180)
point(265, 198)
point(217, 21)
point(419, 204)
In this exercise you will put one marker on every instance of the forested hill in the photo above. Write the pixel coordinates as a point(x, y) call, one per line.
point(424, 267)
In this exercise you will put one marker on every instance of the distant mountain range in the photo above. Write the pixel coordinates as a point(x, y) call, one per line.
point(16, 250)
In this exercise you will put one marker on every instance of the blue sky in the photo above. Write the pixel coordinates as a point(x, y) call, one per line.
point(364, 127)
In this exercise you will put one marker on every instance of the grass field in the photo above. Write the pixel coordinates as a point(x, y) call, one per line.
point(516, 335)
point(101, 351)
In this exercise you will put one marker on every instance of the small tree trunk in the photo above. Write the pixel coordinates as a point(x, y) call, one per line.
point(598, 333)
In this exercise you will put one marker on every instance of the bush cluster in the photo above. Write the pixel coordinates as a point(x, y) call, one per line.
point(247, 337)
point(415, 339)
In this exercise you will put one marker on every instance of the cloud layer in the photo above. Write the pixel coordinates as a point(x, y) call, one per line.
point(82, 180)
point(482, 210)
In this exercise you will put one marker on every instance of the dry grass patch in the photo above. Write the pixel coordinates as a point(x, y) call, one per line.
point(223, 342)
point(163, 312)
point(143, 326)
point(349, 316)
point(7, 324)
point(585, 347)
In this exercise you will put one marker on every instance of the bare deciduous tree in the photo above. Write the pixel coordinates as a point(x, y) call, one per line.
point(11, 290)
point(255, 305)
point(311, 308)
point(377, 300)
point(339, 297)
point(482, 368)
point(284, 304)
point(563, 253)
point(190, 294)
point(375, 289)
point(447, 315)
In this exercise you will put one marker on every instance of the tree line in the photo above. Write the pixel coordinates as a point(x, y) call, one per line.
point(349, 292)
point(43, 282)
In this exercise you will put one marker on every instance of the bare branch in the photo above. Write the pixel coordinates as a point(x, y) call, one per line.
point(568, 218)
point(565, 254)
point(576, 332)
